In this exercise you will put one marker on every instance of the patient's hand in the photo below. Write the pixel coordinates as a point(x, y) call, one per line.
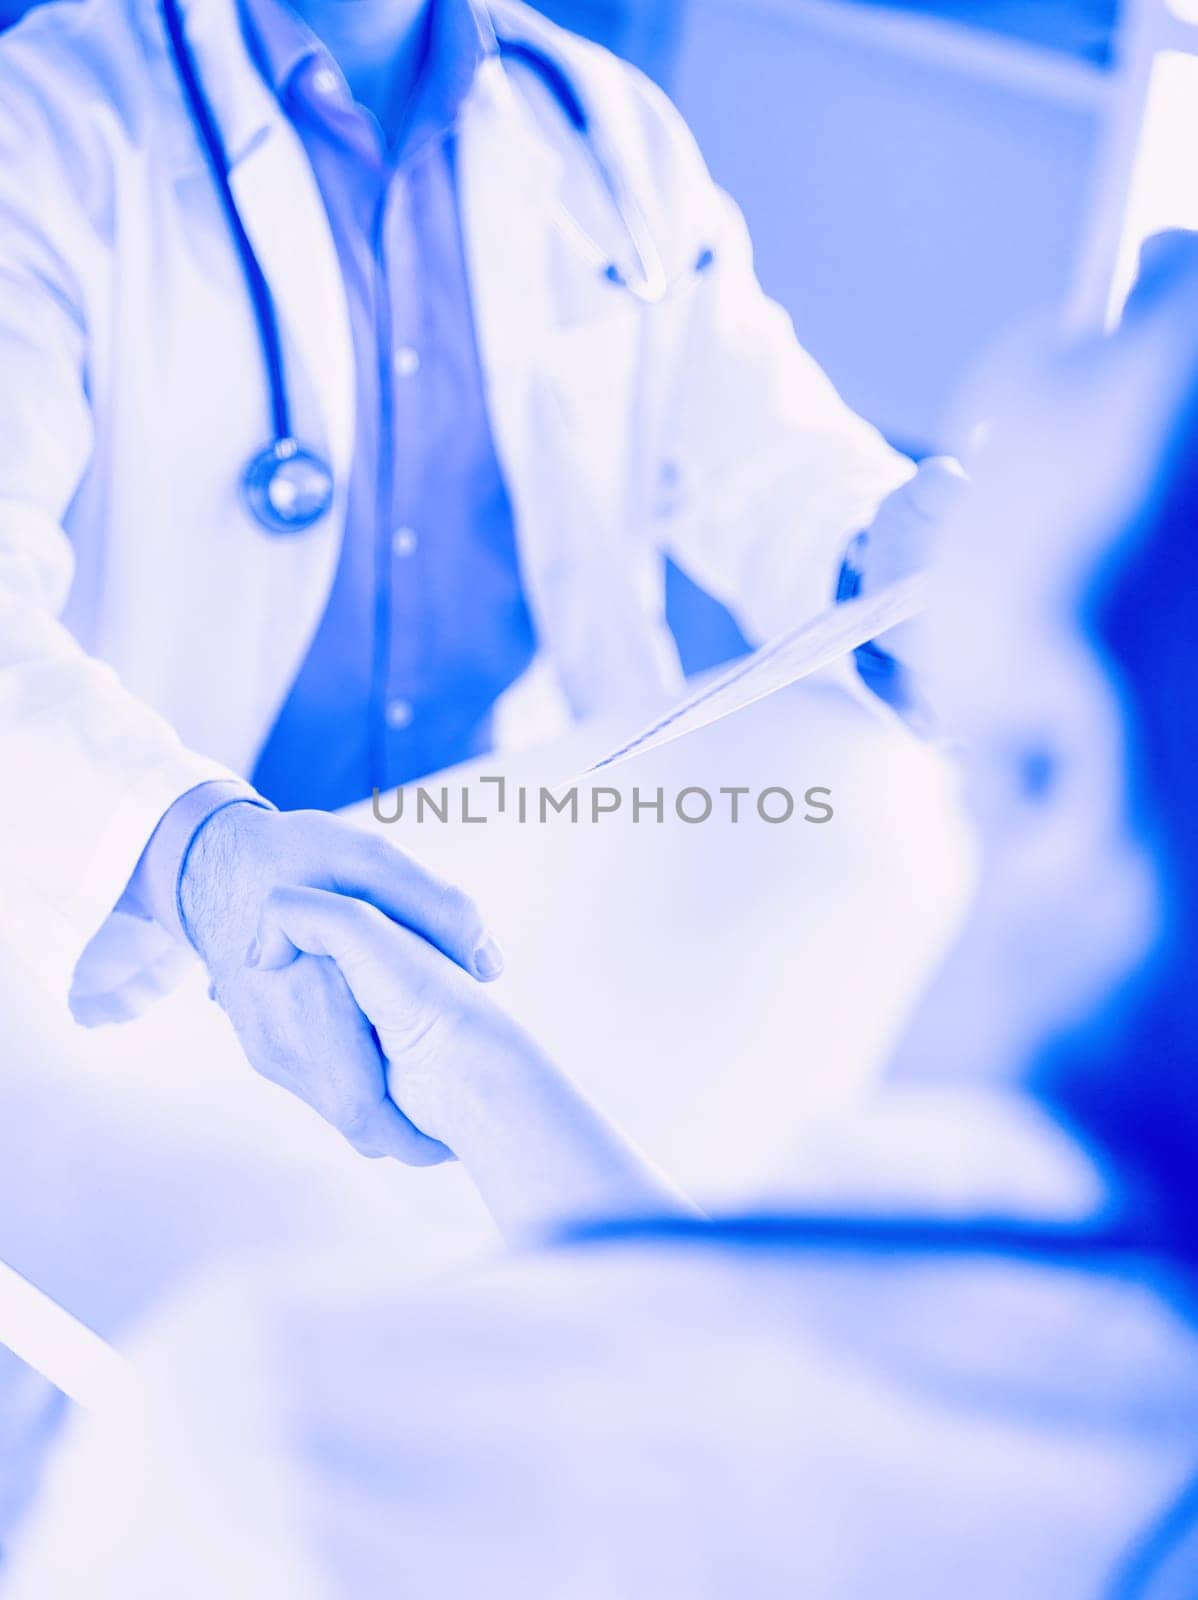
point(464, 1073)
point(448, 1057)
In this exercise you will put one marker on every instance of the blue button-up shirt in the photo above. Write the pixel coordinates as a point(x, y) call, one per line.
point(426, 623)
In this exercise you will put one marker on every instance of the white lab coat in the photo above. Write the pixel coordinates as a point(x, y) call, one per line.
point(149, 630)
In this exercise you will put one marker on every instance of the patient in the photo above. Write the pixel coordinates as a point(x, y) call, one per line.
point(979, 1384)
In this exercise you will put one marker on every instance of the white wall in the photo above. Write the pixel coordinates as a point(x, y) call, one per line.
point(912, 186)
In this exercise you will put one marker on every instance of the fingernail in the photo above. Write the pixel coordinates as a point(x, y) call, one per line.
point(254, 954)
point(488, 960)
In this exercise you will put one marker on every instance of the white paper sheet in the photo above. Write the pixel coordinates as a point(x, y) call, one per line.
point(54, 1343)
point(787, 659)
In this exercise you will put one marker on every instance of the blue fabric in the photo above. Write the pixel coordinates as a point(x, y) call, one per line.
point(427, 621)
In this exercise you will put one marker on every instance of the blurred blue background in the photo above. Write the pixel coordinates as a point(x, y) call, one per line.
point(647, 31)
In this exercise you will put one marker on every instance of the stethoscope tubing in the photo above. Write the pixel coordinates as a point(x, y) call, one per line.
point(261, 299)
point(293, 505)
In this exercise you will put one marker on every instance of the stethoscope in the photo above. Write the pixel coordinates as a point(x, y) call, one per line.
point(287, 486)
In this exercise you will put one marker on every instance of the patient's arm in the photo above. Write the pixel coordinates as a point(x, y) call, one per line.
point(462, 1071)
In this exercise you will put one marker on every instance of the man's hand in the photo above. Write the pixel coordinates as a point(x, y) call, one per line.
point(904, 535)
point(301, 1027)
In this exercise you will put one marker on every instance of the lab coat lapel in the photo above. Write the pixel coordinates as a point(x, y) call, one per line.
point(508, 176)
point(509, 180)
point(580, 572)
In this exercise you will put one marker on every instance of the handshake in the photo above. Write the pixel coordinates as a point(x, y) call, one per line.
point(354, 978)
point(351, 975)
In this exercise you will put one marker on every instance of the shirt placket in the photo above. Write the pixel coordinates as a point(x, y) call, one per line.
point(401, 648)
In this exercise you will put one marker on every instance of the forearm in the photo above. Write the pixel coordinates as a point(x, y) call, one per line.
point(543, 1155)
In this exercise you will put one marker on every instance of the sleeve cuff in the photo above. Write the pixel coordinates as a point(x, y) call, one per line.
point(153, 890)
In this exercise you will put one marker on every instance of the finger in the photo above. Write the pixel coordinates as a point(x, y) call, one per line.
point(937, 487)
point(408, 893)
point(380, 961)
point(382, 1131)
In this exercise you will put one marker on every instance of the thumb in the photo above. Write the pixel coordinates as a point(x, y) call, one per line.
point(937, 488)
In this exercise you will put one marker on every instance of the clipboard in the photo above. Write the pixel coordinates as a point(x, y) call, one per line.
point(786, 660)
point(56, 1344)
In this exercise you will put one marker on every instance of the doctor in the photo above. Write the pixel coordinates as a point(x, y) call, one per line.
point(361, 362)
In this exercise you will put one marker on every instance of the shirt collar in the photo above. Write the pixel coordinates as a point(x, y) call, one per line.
point(459, 38)
point(279, 41)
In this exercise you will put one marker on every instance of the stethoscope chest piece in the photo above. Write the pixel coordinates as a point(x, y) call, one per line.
point(287, 488)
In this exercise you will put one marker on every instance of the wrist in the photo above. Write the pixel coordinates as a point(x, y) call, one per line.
point(212, 868)
point(504, 1099)
point(472, 1082)
point(539, 1152)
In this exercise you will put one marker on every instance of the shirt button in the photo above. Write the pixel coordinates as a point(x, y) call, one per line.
point(407, 361)
point(325, 81)
point(404, 541)
point(399, 714)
